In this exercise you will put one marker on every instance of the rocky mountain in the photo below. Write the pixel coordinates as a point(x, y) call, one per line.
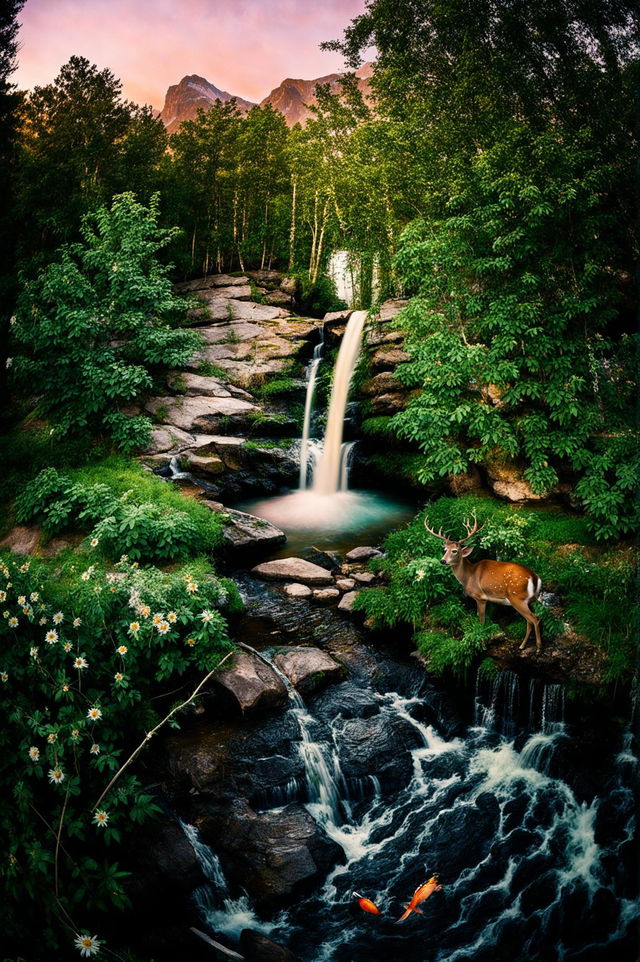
point(292, 97)
point(183, 100)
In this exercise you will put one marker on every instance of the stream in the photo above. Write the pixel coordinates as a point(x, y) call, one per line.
point(525, 812)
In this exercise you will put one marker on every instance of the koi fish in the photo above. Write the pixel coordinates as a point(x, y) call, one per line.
point(366, 904)
point(420, 895)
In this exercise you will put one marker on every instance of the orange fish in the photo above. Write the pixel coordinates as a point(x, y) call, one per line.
point(420, 895)
point(366, 904)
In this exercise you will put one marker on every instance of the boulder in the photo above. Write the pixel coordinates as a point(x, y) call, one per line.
point(388, 404)
point(308, 668)
point(326, 596)
point(197, 413)
point(253, 684)
point(297, 591)
point(22, 539)
point(506, 481)
point(364, 577)
point(346, 602)
point(238, 292)
point(389, 357)
point(256, 947)
point(199, 385)
point(380, 745)
point(166, 858)
point(233, 332)
point(275, 856)
point(278, 298)
point(292, 569)
point(362, 553)
point(248, 311)
point(389, 309)
point(243, 531)
point(168, 438)
point(345, 584)
point(203, 465)
point(382, 383)
point(213, 280)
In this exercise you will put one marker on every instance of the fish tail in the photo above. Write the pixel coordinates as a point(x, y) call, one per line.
point(405, 916)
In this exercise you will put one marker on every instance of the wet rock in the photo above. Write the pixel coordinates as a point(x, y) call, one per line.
point(166, 867)
point(252, 683)
point(243, 531)
point(274, 856)
point(326, 559)
point(202, 465)
point(326, 596)
point(256, 947)
point(380, 745)
point(292, 569)
point(297, 591)
point(308, 668)
point(363, 553)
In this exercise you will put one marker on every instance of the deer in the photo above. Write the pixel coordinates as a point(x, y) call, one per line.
point(504, 582)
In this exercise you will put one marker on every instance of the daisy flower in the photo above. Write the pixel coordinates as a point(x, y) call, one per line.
point(22, 600)
point(33, 652)
point(144, 610)
point(192, 587)
point(25, 566)
point(34, 753)
point(206, 617)
point(3, 595)
point(67, 646)
point(27, 610)
point(95, 749)
point(191, 642)
point(80, 663)
point(52, 737)
point(172, 617)
point(77, 622)
point(94, 714)
point(65, 687)
point(134, 627)
point(13, 622)
point(58, 618)
point(75, 734)
point(163, 627)
point(118, 677)
point(51, 637)
point(87, 944)
point(42, 621)
point(56, 775)
point(4, 676)
point(94, 542)
point(34, 596)
point(157, 618)
point(101, 818)
point(122, 649)
point(420, 573)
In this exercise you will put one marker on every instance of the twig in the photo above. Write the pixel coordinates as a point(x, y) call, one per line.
point(153, 731)
point(55, 864)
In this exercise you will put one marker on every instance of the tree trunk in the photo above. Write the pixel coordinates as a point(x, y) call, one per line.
point(292, 229)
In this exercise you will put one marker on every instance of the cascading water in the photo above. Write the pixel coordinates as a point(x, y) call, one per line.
point(525, 860)
point(312, 373)
point(326, 478)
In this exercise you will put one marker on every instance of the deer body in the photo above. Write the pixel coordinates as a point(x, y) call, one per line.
point(502, 582)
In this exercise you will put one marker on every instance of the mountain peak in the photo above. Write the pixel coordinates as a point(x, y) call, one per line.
point(184, 99)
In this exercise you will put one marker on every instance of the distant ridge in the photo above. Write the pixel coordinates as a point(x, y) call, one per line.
point(291, 97)
point(183, 100)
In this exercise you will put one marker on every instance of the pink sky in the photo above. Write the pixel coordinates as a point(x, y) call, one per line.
point(246, 47)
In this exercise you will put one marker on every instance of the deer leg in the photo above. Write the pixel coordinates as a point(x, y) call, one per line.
point(482, 607)
point(522, 607)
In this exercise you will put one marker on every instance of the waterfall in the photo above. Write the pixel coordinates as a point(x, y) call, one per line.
point(340, 271)
point(327, 474)
point(312, 372)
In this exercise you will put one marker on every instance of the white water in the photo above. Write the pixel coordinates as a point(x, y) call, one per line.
point(326, 478)
point(340, 271)
point(312, 373)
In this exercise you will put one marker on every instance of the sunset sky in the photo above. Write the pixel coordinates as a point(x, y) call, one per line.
point(246, 47)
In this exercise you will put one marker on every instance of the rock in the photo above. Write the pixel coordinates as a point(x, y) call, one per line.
point(297, 591)
point(292, 569)
point(389, 309)
point(388, 404)
point(204, 465)
point(345, 584)
point(243, 531)
point(199, 413)
point(248, 311)
point(326, 595)
point(233, 332)
point(326, 559)
point(308, 668)
point(364, 577)
point(253, 684)
point(275, 856)
point(289, 285)
point(256, 947)
point(337, 317)
point(378, 745)
point(506, 481)
point(268, 278)
point(170, 439)
point(346, 602)
point(463, 483)
point(238, 292)
point(382, 383)
point(199, 385)
point(279, 298)
point(22, 539)
point(165, 857)
point(363, 553)
point(213, 280)
point(389, 357)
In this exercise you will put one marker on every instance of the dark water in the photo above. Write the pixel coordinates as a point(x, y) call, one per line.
point(528, 819)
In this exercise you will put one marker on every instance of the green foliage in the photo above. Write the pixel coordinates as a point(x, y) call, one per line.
point(86, 653)
point(96, 324)
point(316, 297)
point(148, 521)
point(596, 588)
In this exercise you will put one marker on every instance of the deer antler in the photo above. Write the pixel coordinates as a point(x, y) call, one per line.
point(436, 534)
point(471, 530)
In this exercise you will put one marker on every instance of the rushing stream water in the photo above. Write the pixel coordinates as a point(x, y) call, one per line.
point(530, 831)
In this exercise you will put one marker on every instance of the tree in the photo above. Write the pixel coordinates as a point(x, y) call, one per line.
point(98, 321)
point(81, 143)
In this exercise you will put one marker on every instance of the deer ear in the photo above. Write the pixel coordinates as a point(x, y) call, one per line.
point(467, 550)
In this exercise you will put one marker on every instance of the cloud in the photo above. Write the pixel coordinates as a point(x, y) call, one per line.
point(244, 46)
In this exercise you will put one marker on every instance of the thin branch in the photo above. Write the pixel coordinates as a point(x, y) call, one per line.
point(55, 864)
point(153, 731)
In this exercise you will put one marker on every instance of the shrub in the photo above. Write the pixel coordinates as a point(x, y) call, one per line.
point(85, 650)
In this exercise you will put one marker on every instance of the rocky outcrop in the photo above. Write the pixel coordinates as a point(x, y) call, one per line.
point(379, 746)
point(184, 99)
point(252, 684)
point(308, 668)
point(275, 855)
point(245, 532)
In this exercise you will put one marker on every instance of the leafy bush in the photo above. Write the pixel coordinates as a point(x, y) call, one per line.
point(94, 326)
point(85, 650)
point(149, 521)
